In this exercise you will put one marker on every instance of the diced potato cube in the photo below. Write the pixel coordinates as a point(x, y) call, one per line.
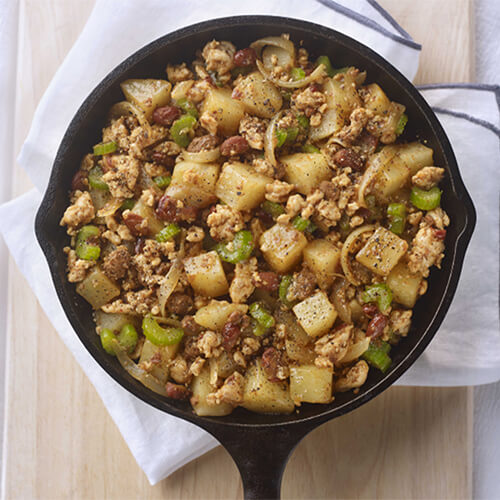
point(147, 94)
point(315, 314)
point(404, 285)
point(206, 275)
point(382, 251)
point(391, 177)
point(259, 96)
point(311, 384)
point(222, 366)
point(306, 170)
point(262, 396)
point(181, 89)
point(415, 156)
point(240, 187)
point(322, 257)
point(163, 355)
point(227, 111)
point(155, 225)
point(376, 100)
point(201, 389)
point(341, 97)
point(298, 344)
point(194, 183)
point(214, 315)
point(97, 288)
point(282, 247)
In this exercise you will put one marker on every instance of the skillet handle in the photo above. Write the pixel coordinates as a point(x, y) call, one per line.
point(261, 456)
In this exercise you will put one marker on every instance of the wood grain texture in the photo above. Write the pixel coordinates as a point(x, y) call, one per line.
point(62, 444)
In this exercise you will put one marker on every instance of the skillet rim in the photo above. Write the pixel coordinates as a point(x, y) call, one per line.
point(457, 248)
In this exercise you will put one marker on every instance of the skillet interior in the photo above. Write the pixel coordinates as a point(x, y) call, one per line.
point(84, 131)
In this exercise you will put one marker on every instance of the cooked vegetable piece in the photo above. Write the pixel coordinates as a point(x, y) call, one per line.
point(415, 156)
point(215, 314)
point(226, 111)
point(206, 275)
point(302, 224)
point(315, 314)
point(377, 355)
point(95, 179)
point(107, 337)
point(306, 170)
point(396, 213)
point(285, 283)
point(241, 248)
point(259, 96)
point(392, 175)
point(425, 200)
point(325, 61)
point(105, 148)
point(157, 358)
point(128, 204)
point(297, 74)
point(201, 388)
point(168, 232)
point(155, 225)
point(382, 251)
point(311, 384)
point(404, 285)
point(162, 181)
point(187, 106)
point(282, 247)
point(303, 123)
point(310, 149)
point(322, 258)
point(128, 337)
point(97, 288)
point(158, 335)
point(262, 396)
point(240, 187)
point(379, 293)
point(87, 245)
point(181, 130)
point(147, 94)
point(261, 315)
point(272, 208)
point(376, 100)
point(401, 124)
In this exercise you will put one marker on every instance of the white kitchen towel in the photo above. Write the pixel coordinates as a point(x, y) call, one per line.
point(161, 443)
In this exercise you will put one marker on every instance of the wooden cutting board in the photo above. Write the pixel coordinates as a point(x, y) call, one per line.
point(60, 441)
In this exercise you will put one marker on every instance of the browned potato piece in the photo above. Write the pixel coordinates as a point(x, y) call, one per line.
point(260, 97)
point(97, 288)
point(282, 247)
point(194, 183)
point(201, 388)
point(227, 111)
point(214, 315)
point(148, 94)
point(240, 187)
point(162, 357)
point(263, 396)
point(315, 314)
point(311, 384)
point(206, 275)
point(306, 170)
point(382, 251)
point(322, 257)
point(404, 285)
point(155, 225)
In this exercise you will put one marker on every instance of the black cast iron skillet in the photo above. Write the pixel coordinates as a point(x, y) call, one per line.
point(259, 444)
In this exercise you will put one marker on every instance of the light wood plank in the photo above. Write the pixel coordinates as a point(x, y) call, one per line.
point(61, 443)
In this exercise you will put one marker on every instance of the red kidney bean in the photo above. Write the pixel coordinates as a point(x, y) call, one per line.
point(370, 310)
point(136, 224)
point(166, 115)
point(376, 326)
point(233, 146)
point(176, 391)
point(245, 57)
point(348, 158)
point(80, 181)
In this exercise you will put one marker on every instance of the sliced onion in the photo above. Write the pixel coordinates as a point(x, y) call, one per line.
point(275, 41)
point(110, 208)
point(344, 254)
point(125, 108)
point(339, 300)
point(270, 140)
point(356, 350)
point(202, 156)
point(168, 321)
point(137, 372)
point(283, 57)
point(366, 181)
point(172, 278)
point(317, 74)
